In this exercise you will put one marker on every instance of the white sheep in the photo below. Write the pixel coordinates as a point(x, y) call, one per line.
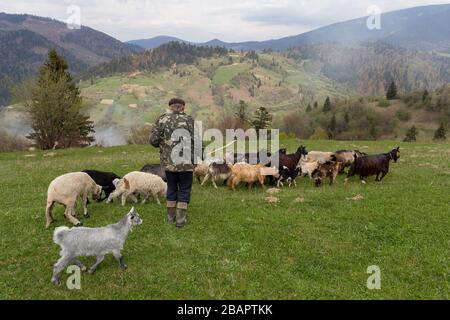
point(138, 183)
point(92, 242)
point(65, 190)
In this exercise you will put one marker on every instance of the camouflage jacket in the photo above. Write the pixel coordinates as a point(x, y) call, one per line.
point(163, 137)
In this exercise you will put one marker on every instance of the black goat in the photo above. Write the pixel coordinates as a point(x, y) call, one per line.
point(291, 160)
point(105, 180)
point(373, 165)
point(155, 169)
point(252, 157)
point(288, 175)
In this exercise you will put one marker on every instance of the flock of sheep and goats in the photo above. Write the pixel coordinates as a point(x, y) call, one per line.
point(236, 168)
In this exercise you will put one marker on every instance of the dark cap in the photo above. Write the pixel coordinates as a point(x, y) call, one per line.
point(176, 101)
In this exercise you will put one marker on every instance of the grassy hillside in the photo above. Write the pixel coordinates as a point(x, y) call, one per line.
point(313, 244)
point(212, 87)
point(213, 82)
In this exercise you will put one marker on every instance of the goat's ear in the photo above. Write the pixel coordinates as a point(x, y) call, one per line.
point(398, 148)
point(132, 211)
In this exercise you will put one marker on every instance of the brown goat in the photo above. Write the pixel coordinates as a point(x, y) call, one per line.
point(218, 171)
point(291, 160)
point(328, 169)
point(243, 172)
point(347, 157)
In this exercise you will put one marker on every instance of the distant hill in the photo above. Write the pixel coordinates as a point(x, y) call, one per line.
point(25, 41)
point(161, 40)
point(154, 42)
point(164, 56)
point(364, 69)
point(419, 28)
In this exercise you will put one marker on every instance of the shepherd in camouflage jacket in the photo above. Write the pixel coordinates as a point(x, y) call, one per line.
point(173, 133)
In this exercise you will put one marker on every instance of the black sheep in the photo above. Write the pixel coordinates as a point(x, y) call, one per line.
point(103, 179)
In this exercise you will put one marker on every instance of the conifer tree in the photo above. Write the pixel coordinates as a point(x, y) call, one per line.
point(262, 119)
point(391, 93)
point(441, 133)
point(411, 135)
point(331, 128)
point(55, 106)
point(327, 105)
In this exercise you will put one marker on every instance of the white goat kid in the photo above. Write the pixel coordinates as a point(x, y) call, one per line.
point(92, 242)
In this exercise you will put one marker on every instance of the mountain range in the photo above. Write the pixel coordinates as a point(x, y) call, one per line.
point(414, 47)
point(26, 39)
point(418, 28)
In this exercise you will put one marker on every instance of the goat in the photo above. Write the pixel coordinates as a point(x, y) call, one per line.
point(308, 167)
point(321, 156)
point(328, 169)
point(217, 171)
point(92, 242)
point(287, 175)
point(373, 165)
point(347, 157)
point(256, 158)
point(103, 179)
point(291, 160)
point(201, 170)
point(244, 172)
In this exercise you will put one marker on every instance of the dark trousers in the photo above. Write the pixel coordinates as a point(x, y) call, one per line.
point(179, 186)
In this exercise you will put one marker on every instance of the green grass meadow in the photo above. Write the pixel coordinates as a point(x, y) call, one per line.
point(315, 243)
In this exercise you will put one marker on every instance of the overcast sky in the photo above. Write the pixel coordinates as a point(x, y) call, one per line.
point(202, 20)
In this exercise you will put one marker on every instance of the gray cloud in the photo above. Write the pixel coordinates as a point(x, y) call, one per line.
point(202, 20)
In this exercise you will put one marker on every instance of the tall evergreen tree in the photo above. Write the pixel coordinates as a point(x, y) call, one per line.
point(441, 133)
point(331, 128)
point(316, 105)
point(346, 118)
point(411, 135)
point(425, 96)
point(308, 108)
point(241, 113)
point(262, 119)
point(327, 105)
point(55, 108)
point(391, 93)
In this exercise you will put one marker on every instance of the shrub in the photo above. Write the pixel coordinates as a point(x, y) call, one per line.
point(12, 143)
point(384, 103)
point(441, 133)
point(319, 134)
point(140, 135)
point(287, 136)
point(403, 115)
point(411, 135)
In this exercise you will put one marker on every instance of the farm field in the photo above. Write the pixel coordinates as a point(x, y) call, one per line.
point(312, 244)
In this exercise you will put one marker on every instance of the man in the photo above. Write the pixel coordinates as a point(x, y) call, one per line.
point(173, 134)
